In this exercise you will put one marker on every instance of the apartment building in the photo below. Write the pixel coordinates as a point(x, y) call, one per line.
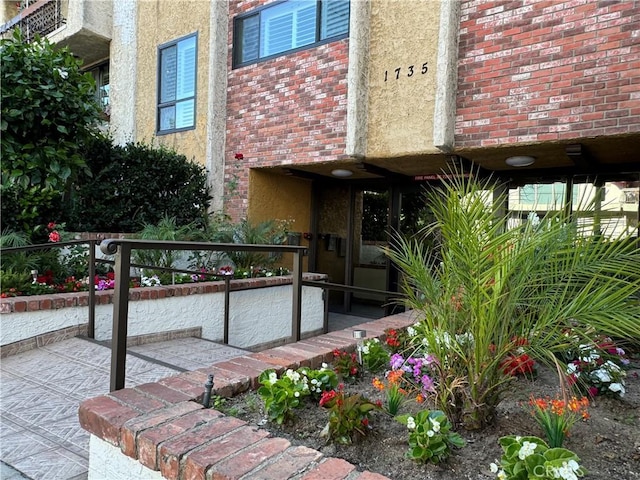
point(317, 111)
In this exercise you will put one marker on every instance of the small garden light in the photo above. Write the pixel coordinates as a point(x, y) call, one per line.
point(359, 335)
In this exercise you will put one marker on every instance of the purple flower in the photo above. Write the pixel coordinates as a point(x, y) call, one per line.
point(396, 361)
point(427, 383)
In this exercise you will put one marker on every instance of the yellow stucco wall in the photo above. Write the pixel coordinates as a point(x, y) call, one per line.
point(401, 109)
point(278, 197)
point(159, 22)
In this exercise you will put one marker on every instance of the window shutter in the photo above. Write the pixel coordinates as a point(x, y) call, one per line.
point(168, 69)
point(250, 34)
point(305, 26)
point(334, 18)
point(277, 34)
point(186, 74)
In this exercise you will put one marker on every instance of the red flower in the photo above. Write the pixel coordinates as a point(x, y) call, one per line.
point(54, 236)
point(365, 422)
point(51, 225)
point(327, 397)
point(111, 275)
point(239, 156)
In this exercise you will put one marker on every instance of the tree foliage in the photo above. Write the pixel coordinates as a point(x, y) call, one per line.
point(48, 115)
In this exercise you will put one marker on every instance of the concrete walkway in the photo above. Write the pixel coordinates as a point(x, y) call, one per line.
point(40, 391)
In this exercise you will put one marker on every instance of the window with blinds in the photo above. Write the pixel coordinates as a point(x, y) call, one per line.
point(288, 25)
point(177, 85)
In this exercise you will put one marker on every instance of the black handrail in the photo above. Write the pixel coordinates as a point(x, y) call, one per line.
point(122, 248)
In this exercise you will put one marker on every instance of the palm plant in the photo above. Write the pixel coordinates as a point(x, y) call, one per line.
point(486, 288)
point(268, 232)
point(166, 229)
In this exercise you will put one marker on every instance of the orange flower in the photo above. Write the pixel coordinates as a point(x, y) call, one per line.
point(378, 384)
point(394, 376)
point(420, 398)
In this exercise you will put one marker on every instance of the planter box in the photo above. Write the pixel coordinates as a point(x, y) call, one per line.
point(259, 313)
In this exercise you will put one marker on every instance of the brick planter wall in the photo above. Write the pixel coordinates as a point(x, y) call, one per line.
point(171, 435)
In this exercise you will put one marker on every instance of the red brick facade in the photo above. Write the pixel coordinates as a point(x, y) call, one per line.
point(287, 110)
point(534, 71)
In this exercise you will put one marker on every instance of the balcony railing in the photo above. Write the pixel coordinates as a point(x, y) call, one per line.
point(39, 18)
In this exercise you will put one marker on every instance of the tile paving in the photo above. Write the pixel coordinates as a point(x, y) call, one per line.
point(40, 391)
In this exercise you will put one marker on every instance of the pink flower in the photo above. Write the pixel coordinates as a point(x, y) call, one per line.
point(51, 225)
point(54, 236)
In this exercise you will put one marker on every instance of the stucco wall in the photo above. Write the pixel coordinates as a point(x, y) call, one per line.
point(403, 45)
point(161, 22)
point(256, 317)
point(277, 197)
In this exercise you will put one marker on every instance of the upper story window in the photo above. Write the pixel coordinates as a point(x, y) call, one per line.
point(288, 25)
point(177, 85)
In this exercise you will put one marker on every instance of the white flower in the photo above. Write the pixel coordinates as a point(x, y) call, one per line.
point(612, 367)
point(502, 475)
point(62, 73)
point(430, 433)
point(296, 394)
point(527, 449)
point(602, 375)
point(436, 425)
point(572, 368)
point(411, 423)
point(534, 219)
point(324, 366)
point(273, 378)
point(618, 388)
point(573, 465)
point(411, 331)
point(365, 349)
point(314, 381)
point(567, 471)
point(493, 467)
point(293, 376)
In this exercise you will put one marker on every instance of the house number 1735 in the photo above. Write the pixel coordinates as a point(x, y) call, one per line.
point(411, 70)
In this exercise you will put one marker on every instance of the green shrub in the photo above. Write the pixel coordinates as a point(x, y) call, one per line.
point(48, 115)
point(137, 185)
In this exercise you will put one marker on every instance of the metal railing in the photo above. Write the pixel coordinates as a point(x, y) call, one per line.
point(41, 17)
point(338, 287)
point(122, 249)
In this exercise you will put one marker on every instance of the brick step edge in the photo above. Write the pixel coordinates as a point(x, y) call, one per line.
point(164, 426)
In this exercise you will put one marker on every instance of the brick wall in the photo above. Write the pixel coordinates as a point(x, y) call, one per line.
point(288, 110)
point(532, 71)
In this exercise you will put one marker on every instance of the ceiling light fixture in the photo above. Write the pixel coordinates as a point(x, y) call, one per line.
point(520, 161)
point(341, 172)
